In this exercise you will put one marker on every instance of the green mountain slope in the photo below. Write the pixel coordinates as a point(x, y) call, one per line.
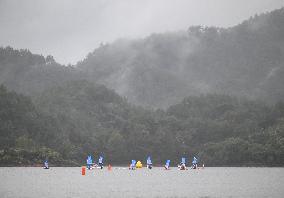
point(68, 122)
point(30, 74)
point(220, 91)
point(162, 69)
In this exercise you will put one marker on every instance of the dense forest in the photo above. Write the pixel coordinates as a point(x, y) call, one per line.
point(68, 122)
point(210, 92)
point(162, 69)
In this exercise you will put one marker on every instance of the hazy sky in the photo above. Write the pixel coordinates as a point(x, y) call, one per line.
point(69, 29)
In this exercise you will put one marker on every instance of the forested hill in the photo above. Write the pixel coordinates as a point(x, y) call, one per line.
point(30, 74)
point(219, 90)
point(162, 69)
point(68, 122)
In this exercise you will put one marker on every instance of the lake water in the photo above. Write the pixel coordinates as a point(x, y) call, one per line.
point(119, 182)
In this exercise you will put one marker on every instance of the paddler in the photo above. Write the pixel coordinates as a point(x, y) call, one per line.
point(46, 164)
point(194, 163)
point(167, 165)
point(101, 162)
point(149, 163)
point(182, 165)
point(89, 162)
point(132, 165)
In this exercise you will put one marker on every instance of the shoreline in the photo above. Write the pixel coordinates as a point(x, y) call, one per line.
point(126, 166)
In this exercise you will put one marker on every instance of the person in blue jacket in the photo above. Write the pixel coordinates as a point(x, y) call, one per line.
point(182, 165)
point(149, 163)
point(46, 165)
point(89, 162)
point(101, 162)
point(132, 165)
point(194, 163)
point(167, 165)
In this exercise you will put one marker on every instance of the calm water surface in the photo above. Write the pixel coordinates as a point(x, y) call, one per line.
point(209, 182)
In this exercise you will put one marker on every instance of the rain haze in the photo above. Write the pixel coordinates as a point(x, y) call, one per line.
point(70, 29)
point(141, 98)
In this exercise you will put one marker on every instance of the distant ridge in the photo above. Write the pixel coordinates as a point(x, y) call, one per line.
point(160, 70)
point(210, 81)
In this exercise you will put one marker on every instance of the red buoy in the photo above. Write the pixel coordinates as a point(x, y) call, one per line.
point(83, 170)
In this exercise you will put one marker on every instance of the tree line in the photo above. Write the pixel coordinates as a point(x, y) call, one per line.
point(66, 123)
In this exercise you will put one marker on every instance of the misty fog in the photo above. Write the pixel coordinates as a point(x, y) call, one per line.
point(69, 29)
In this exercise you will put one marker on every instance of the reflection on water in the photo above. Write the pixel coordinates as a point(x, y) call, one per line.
point(119, 182)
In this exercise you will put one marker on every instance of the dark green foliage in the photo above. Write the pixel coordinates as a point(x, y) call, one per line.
point(28, 73)
point(67, 115)
point(161, 69)
point(25, 133)
point(79, 118)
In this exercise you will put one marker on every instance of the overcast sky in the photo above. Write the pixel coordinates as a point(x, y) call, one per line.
point(69, 29)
